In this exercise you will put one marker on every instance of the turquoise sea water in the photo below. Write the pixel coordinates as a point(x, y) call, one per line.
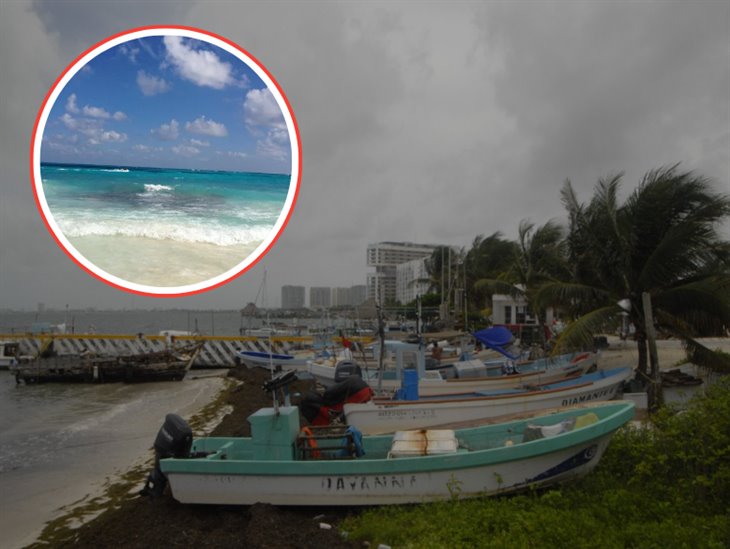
point(211, 207)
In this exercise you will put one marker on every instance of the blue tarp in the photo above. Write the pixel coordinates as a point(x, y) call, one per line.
point(496, 338)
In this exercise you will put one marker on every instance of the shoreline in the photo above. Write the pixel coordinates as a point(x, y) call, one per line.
point(84, 472)
point(131, 521)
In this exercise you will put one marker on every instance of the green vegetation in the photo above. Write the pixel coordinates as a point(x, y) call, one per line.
point(593, 270)
point(666, 485)
point(661, 241)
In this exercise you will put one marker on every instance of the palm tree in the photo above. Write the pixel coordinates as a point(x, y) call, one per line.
point(487, 259)
point(537, 259)
point(661, 241)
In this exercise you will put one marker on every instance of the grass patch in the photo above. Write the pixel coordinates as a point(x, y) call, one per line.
point(664, 485)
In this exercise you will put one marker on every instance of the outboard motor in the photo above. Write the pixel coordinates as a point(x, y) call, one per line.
point(323, 409)
point(173, 440)
point(345, 369)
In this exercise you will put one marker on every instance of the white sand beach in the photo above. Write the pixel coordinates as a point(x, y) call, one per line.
point(160, 263)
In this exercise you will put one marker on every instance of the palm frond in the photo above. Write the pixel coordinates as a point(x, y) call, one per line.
point(554, 294)
point(580, 332)
point(702, 304)
point(697, 353)
point(496, 286)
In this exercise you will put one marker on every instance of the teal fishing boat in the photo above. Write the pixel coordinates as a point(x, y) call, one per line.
point(284, 464)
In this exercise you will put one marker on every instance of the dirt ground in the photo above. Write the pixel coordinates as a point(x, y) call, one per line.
point(142, 522)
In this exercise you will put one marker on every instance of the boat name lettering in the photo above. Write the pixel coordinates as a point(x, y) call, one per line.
point(219, 479)
point(399, 413)
point(367, 483)
point(597, 395)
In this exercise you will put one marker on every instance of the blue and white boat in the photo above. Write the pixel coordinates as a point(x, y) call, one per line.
point(389, 415)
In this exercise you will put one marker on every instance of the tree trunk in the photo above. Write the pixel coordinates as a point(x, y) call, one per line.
point(643, 356)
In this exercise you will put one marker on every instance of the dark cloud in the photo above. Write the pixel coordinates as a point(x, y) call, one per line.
point(418, 122)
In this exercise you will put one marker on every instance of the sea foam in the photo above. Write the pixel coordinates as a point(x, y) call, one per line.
point(181, 231)
point(152, 187)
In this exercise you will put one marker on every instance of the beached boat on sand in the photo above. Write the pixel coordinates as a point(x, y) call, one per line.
point(283, 465)
point(386, 416)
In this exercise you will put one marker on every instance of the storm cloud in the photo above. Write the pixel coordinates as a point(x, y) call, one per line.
point(420, 122)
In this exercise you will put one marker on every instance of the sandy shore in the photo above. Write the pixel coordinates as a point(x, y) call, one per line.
point(97, 450)
point(160, 263)
point(670, 352)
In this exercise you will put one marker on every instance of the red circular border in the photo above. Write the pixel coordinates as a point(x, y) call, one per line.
point(35, 136)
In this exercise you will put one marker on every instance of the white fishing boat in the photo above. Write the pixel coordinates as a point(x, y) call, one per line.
point(258, 359)
point(474, 374)
point(9, 351)
point(283, 465)
point(387, 416)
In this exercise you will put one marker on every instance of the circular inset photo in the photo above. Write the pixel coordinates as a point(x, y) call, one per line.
point(166, 161)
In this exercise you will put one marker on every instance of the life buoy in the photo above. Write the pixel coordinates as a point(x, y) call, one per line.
point(310, 443)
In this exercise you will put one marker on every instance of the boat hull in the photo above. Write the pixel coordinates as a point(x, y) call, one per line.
point(489, 460)
point(383, 488)
point(255, 359)
point(386, 417)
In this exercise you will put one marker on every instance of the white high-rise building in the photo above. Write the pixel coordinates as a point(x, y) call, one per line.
point(385, 256)
point(411, 280)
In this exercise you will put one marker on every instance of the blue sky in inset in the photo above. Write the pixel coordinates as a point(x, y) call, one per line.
point(170, 102)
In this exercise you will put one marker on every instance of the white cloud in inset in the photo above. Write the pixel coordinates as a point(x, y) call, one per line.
point(236, 154)
point(113, 136)
point(202, 125)
point(150, 84)
point(167, 132)
point(186, 150)
point(119, 115)
point(71, 104)
point(86, 126)
point(261, 109)
point(263, 115)
point(130, 52)
point(275, 145)
point(146, 148)
point(95, 112)
point(202, 67)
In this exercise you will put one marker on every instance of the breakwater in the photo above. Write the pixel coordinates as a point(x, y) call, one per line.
point(217, 351)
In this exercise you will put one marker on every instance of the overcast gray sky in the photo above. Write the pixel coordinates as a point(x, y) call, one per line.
point(425, 122)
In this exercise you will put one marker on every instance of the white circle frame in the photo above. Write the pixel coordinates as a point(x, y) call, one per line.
point(254, 256)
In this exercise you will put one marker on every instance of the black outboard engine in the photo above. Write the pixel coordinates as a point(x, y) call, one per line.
point(345, 369)
point(322, 409)
point(173, 440)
